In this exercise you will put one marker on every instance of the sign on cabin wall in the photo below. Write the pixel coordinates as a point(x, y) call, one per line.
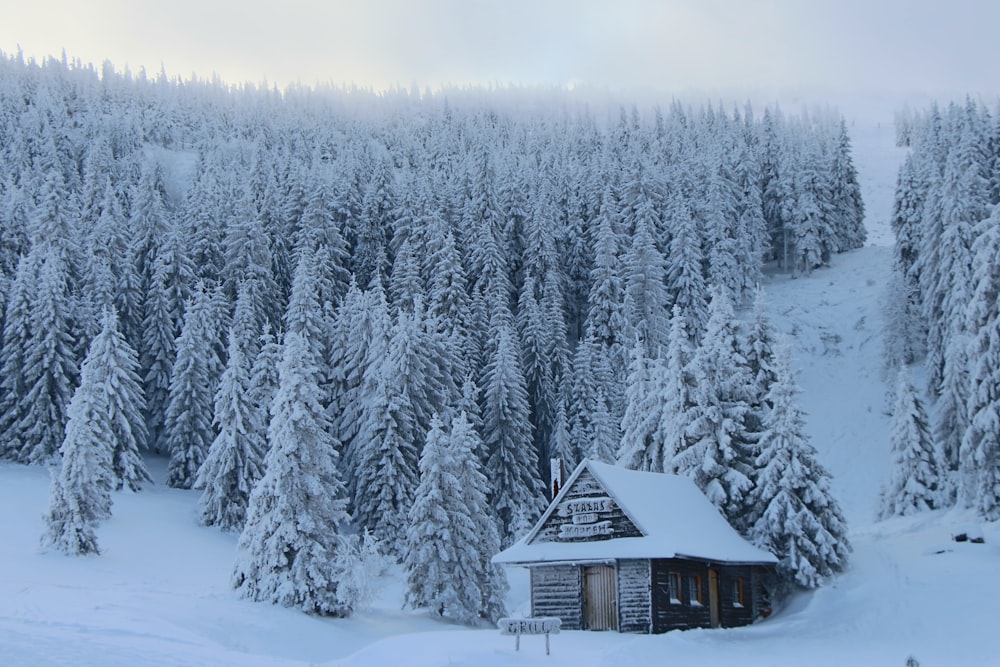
point(585, 516)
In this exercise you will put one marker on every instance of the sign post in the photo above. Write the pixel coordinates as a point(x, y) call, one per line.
point(529, 626)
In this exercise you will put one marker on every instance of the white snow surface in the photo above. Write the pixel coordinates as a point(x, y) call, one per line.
point(159, 593)
point(676, 519)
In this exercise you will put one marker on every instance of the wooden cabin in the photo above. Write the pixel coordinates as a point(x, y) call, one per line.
point(643, 552)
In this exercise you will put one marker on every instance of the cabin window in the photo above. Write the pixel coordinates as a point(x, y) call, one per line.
point(694, 590)
point(738, 592)
point(674, 587)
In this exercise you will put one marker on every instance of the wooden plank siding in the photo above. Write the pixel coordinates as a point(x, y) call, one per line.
point(643, 600)
point(682, 614)
point(669, 615)
point(732, 615)
point(557, 590)
point(634, 596)
point(587, 486)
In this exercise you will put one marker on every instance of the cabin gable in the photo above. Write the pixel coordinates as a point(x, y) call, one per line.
point(584, 511)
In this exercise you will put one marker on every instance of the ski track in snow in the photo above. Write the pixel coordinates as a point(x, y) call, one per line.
point(159, 593)
point(833, 321)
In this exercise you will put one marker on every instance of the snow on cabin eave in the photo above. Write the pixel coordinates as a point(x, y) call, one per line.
point(597, 552)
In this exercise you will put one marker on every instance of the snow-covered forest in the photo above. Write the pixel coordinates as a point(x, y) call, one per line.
point(337, 306)
point(942, 312)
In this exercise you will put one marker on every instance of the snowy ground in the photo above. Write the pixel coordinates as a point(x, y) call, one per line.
point(159, 593)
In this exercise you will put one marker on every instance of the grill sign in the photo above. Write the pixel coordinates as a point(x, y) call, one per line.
point(584, 514)
point(529, 626)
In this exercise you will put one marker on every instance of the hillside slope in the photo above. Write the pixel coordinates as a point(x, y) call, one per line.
point(159, 594)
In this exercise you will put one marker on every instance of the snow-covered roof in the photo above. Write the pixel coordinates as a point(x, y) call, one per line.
point(676, 521)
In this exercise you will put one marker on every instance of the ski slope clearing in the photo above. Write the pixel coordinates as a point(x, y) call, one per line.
point(159, 594)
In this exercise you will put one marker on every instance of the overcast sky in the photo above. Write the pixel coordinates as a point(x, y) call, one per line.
point(885, 48)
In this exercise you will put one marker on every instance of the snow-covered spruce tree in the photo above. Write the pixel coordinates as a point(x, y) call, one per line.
point(751, 232)
point(321, 233)
point(407, 387)
point(114, 362)
point(203, 218)
point(810, 230)
point(50, 365)
point(963, 203)
point(263, 386)
point(359, 345)
point(720, 220)
point(235, 459)
point(979, 456)
point(150, 221)
point(516, 491)
point(305, 313)
point(794, 514)
point(718, 454)
point(491, 299)
point(918, 471)
point(17, 335)
point(104, 257)
point(758, 349)
point(448, 297)
point(451, 535)
point(430, 551)
point(560, 445)
point(606, 318)
point(646, 297)
point(384, 460)
point(533, 330)
point(848, 206)
point(289, 544)
point(640, 449)
point(677, 392)
point(405, 284)
point(486, 535)
point(247, 266)
point(904, 327)
point(469, 404)
point(370, 225)
point(188, 423)
point(81, 486)
point(685, 278)
point(55, 214)
point(161, 325)
point(593, 432)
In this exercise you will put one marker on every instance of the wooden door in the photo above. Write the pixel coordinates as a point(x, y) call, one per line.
point(600, 598)
point(713, 598)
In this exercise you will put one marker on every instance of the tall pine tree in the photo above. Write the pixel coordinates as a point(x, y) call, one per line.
point(918, 475)
point(188, 422)
point(235, 459)
point(289, 544)
point(795, 515)
point(452, 536)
